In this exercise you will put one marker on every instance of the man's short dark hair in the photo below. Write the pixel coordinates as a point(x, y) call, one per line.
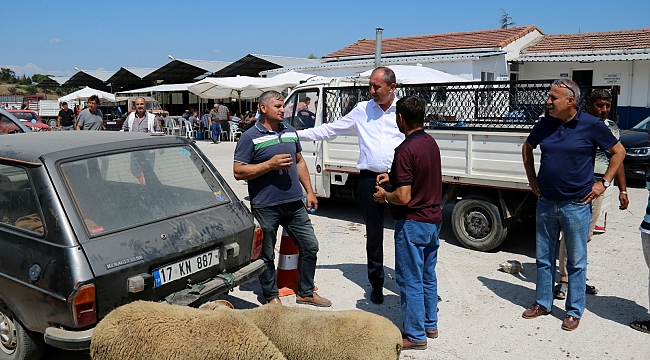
point(599, 94)
point(64, 103)
point(412, 110)
point(387, 74)
point(94, 98)
point(268, 96)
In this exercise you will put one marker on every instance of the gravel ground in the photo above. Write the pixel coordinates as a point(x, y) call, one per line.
point(480, 312)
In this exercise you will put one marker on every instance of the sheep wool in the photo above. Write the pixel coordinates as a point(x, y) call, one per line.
point(305, 334)
point(147, 330)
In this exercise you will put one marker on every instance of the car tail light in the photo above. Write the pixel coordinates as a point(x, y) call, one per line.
point(258, 240)
point(84, 306)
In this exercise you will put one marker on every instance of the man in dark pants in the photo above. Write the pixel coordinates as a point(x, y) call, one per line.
point(268, 156)
point(374, 123)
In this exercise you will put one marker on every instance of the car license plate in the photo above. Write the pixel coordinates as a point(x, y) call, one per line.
point(111, 123)
point(186, 267)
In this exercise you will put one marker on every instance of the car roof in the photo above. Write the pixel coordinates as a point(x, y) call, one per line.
point(15, 120)
point(61, 144)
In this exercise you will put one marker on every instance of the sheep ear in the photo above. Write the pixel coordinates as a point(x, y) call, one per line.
point(216, 304)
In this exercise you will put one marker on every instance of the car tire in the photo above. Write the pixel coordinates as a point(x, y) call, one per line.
point(477, 224)
point(17, 343)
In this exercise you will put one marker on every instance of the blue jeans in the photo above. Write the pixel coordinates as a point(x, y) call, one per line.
point(573, 218)
point(216, 131)
point(294, 218)
point(416, 255)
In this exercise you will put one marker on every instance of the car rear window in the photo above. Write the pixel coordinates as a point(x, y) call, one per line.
point(119, 191)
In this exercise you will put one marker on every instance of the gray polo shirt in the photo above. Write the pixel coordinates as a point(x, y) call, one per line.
point(88, 121)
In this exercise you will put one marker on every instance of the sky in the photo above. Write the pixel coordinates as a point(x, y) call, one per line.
point(53, 37)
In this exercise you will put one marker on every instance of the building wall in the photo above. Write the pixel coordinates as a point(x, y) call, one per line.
point(633, 77)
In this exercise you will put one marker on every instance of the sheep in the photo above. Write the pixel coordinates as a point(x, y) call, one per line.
point(149, 330)
point(304, 334)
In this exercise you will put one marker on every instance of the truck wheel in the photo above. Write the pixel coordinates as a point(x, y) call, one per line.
point(477, 224)
point(53, 124)
point(16, 343)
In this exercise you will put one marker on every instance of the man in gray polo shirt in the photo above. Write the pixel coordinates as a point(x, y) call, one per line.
point(268, 157)
point(91, 118)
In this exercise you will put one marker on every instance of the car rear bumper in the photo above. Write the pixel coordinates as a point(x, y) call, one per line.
point(636, 166)
point(198, 294)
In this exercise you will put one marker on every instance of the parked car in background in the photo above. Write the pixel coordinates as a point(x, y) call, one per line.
point(113, 118)
point(637, 148)
point(89, 223)
point(9, 124)
point(30, 119)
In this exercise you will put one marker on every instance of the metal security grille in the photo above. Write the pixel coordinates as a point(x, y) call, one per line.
point(494, 105)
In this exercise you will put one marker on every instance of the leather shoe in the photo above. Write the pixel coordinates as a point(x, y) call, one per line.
point(315, 300)
point(377, 295)
point(409, 345)
point(570, 323)
point(534, 311)
point(432, 334)
point(275, 301)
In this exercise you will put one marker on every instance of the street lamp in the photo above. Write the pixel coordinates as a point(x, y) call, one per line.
point(171, 57)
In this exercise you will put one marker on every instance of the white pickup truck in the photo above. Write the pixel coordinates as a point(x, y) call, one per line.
point(48, 110)
point(479, 127)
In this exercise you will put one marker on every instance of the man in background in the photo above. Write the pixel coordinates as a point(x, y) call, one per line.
point(66, 118)
point(91, 118)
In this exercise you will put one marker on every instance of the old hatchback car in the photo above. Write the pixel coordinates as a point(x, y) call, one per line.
point(9, 124)
point(92, 220)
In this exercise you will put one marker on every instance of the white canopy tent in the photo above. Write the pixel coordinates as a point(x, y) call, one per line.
point(85, 93)
point(159, 88)
point(407, 74)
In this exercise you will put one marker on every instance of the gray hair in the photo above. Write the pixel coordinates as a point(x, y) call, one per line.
point(570, 88)
point(143, 99)
point(387, 74)
point(270, 95)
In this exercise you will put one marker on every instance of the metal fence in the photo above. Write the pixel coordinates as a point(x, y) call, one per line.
point(495, 105)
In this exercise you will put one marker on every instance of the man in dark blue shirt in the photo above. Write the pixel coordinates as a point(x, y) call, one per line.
point(568, 139)
point(268, 156)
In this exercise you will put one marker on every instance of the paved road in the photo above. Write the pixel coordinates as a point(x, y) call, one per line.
point(480, 315)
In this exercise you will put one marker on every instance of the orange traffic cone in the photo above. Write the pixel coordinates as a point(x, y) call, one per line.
point(286, 275)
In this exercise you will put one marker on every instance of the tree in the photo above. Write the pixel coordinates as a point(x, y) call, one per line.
point(12, 90)
point(58, 91)
point(31, 89)
point(312, 56)
point(37, 78)
point(7, 75)
point(506, 20)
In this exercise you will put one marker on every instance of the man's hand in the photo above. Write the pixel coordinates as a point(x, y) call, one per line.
point(623, 200)
point(532, 182)
point(280, 162)
point(312, 202)
point(382, 179)
point(380, 195)
point(596, 190)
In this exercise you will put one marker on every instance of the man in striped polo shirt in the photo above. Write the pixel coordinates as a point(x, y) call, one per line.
point(268, 157)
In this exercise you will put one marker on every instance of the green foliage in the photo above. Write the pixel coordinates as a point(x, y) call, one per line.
point(31, 89)
point(12, 90)
point(312, 56)
point(58, 91)
point(37, 78)
point(7, 75)
point(506, 20)
point(24, 80)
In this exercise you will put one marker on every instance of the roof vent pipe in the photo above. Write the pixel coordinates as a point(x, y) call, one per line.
point(378, 47)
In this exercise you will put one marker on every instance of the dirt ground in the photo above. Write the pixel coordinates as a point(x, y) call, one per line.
point(480, 312)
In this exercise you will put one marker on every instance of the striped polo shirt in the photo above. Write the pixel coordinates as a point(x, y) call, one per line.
point(257, 145)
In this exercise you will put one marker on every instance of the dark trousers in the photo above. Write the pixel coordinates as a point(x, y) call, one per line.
point(294, 218)
point(373, 216)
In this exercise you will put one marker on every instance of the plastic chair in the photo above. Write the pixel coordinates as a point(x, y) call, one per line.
point(189, 132)
point(172, 127)
point(234, 131)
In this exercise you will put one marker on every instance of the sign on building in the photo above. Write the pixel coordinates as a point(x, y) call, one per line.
point(612, 79)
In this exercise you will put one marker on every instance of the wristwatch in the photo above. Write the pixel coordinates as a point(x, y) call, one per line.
point(606, 183)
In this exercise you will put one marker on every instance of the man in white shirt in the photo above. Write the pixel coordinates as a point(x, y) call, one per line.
point(375, 125)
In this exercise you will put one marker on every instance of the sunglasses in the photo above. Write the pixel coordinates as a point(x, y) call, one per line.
point(563, 84)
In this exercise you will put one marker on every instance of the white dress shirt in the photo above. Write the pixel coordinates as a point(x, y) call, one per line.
point(377, 131)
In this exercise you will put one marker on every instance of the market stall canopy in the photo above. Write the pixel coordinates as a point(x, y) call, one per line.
point(284, 80)
point(406, 74)
point(242, 87)
point(159, 88)
point(85, 93)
